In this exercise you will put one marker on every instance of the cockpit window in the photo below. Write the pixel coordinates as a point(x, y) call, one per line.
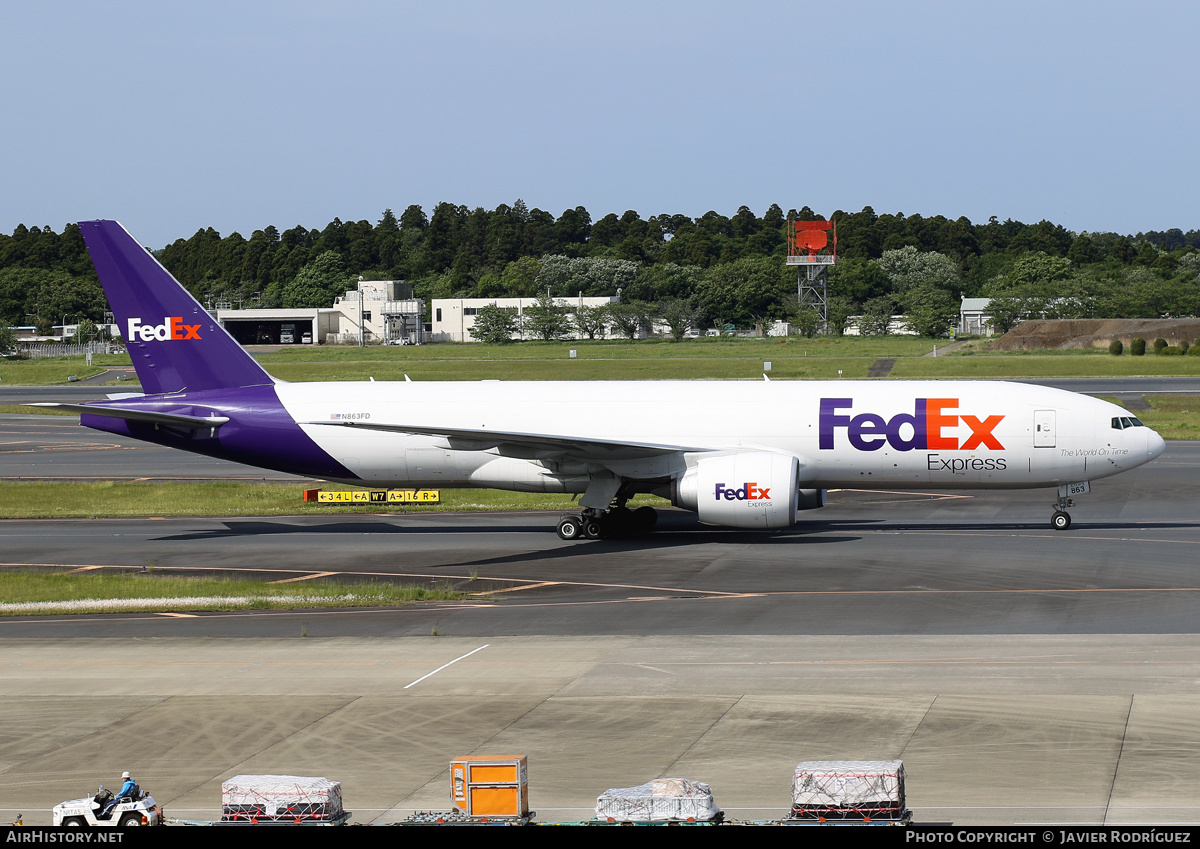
point(1122, 422)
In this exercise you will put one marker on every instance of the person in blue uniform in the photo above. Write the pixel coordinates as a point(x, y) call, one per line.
point(128, 785)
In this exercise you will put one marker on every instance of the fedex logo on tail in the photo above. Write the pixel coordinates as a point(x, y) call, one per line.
point(748, 492)
point(171, 328)
point(923, 429)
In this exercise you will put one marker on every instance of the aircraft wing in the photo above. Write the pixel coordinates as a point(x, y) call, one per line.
point(528, 445)
point(172, 419)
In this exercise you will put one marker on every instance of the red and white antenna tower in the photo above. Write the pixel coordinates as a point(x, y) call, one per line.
point(810, 248)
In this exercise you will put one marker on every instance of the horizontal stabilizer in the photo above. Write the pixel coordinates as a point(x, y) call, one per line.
point(172, 419)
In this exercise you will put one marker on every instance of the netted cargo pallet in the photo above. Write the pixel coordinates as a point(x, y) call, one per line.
point(662, 800)
point(850, 790)
point(280, 798)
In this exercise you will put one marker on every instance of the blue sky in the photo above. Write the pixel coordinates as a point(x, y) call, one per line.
point(172, 117)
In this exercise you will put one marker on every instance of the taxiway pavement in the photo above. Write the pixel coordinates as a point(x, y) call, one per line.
point(1023, 675)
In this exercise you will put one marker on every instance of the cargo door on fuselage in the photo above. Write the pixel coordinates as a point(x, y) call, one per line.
point(1043, 429)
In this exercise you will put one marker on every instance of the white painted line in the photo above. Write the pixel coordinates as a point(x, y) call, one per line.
point(443, 666)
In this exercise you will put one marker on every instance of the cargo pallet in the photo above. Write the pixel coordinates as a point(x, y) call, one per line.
point(266, 821)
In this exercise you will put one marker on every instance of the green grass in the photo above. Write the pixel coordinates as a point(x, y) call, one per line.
point(984, 348)
point(53, 371)
point(111, 499)
point(792, 358)
point(696, 359)
point(812, 368)
point(1173, 416)
point(45, 592)
point(654, 349)
point(18, 410)
point(45, 372)
point(1044, 364)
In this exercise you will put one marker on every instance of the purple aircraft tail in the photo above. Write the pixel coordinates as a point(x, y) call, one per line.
point(175, 344)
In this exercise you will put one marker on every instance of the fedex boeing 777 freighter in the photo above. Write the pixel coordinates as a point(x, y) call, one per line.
point(739, 454)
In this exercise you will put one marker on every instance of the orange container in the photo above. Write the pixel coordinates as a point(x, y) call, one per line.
point(490, 787)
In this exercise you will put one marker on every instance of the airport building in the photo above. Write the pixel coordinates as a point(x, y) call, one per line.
point(375, 312)
point(380, 311)
point(453, 318)
point(974, 317)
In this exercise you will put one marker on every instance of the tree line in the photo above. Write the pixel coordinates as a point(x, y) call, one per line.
point(718, 269)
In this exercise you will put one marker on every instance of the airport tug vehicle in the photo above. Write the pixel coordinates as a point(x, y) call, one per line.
point(135, 809)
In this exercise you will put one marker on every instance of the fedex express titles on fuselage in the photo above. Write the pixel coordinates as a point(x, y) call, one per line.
point(932, 426)
point(1001, 435)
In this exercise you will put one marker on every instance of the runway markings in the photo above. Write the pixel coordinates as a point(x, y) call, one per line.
point(651, 668)
point(885, 661)
point(907, 496)
point(36, 447)
point(920, 494)
point(1040, 591)
point(398, 576)
point(664, 593)
point(300, 578)
point(444, 665)
point(1057, 535)
point(522, 587)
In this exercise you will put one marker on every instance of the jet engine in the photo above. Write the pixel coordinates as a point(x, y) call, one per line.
point(749, 489)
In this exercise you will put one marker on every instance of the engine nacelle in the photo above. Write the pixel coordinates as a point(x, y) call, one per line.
point(749, 489)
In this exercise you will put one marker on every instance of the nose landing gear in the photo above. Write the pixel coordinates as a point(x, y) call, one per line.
point(1061, 520)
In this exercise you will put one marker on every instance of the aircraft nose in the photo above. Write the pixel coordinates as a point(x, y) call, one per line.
point(1155, 444)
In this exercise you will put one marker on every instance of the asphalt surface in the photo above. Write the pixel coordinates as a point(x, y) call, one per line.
point(868, 563)
point(1023, 675)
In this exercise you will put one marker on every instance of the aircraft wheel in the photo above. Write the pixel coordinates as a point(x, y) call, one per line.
point(570, 528)
point(1061, 520)
point(593, 529)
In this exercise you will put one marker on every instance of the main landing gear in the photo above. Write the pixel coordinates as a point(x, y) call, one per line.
point(613, 523)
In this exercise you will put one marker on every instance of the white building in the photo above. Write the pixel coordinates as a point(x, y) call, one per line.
point(373, 312)
point(278, 326)
point(379, 311)
point(974, 318)
point(453, 318)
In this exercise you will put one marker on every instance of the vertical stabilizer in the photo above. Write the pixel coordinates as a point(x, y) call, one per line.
point(175, 344)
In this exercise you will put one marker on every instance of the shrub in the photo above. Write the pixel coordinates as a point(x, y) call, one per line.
point(1185, 346)
point(1116, 348)
point(1194, 351)
point(1137, 347)
point(1171, 351)
point(1159, 344)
